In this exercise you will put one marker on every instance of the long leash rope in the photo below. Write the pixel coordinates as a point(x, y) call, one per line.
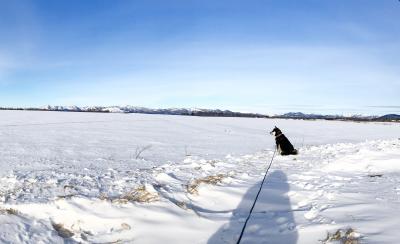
point(255, 200)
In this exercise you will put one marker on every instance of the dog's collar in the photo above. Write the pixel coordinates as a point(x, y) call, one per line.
point(279, 135)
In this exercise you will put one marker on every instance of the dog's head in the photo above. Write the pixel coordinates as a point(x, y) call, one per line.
point(276, 131)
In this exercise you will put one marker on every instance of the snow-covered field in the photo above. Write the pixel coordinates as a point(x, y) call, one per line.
point(121, 178)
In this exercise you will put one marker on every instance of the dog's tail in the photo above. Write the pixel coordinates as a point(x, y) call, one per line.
point(295, 152)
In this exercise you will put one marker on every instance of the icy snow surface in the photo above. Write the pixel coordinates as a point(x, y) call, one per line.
point(173, 179)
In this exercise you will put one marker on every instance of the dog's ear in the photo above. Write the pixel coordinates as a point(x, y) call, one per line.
point(272, 131)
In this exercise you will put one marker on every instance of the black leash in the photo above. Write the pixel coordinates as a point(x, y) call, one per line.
point(255, 200)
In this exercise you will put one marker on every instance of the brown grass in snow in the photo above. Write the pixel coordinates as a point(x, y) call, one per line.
point(348, 236)
point(140, 194)
point(193, 187)
point(9, 211)
point(62, 231)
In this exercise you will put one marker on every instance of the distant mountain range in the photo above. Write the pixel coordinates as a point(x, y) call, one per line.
point(299, 115)
point(207, 112)
point(142, 110)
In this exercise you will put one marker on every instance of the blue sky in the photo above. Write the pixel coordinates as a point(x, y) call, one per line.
point(260, 56)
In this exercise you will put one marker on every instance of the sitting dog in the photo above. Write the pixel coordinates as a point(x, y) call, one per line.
point(283, 145)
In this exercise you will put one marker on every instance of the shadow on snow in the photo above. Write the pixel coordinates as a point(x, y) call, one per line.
point(272, 220)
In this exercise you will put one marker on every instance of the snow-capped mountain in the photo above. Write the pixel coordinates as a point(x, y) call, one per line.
point(207, 112)
point(133, 109)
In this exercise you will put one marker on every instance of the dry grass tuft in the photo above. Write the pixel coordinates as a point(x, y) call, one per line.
point(182, 205)
point(125, 226)
point(140, 194)
point(193, 187)
point(62, 231)
point(9, 211)
point(348, 236)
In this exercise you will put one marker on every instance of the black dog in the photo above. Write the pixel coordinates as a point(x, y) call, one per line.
point(283, 145)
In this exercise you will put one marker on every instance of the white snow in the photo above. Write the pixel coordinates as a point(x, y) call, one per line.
point(84, 171)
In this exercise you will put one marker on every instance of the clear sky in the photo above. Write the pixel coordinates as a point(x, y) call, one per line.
point(335, 56)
